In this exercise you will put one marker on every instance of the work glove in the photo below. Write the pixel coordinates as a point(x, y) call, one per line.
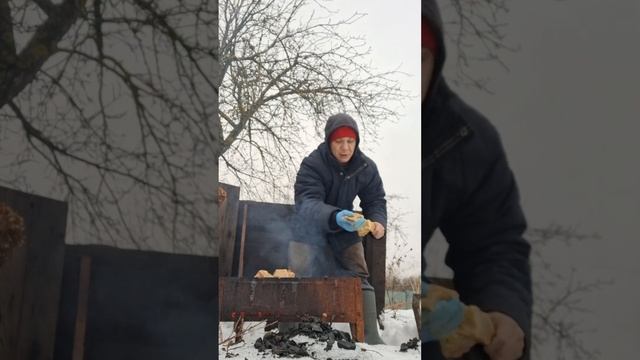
point(442, 312)
point(366, 228)
point(344, 219)
point(476, 328)
point(457, 326)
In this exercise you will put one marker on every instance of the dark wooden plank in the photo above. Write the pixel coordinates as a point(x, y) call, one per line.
point(11, 290)
point(227, 220)
point(243, 240)
point(375, 253)
point(83, 304)
point(36, 303)
point(142, 305)
point(415, 305)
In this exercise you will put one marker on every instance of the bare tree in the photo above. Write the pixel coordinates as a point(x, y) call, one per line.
point(115, 104)
point(402, 274)
point(476, 29)
point(398, 247)
point(557, 296)
point(286, 66)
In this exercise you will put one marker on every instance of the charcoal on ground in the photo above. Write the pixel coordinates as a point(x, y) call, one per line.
point(411, 344)
point(281, 344)
point(346, 345)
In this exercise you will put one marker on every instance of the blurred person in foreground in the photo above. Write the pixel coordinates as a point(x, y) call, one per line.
point(470, 194)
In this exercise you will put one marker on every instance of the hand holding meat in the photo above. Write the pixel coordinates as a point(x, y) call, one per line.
point(508, 343)
point(349, 221)
point(377, 230)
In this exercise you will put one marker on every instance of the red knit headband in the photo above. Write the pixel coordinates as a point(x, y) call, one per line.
point(343, 131)
point(428, 37)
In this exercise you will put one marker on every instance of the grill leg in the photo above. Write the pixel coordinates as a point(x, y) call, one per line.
point(357, 330)
point(237, 329)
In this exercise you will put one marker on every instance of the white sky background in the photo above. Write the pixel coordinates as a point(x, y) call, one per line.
point(393, 34)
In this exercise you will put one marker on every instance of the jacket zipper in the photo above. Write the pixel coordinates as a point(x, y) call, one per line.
point(356, 172)
point(462, 133)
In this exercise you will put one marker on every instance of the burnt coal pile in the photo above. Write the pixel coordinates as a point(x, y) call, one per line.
point(281, 344)
point(411, 344)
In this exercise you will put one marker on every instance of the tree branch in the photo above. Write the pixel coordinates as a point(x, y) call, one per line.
point(7, 41)
point(47, 6)
point(39, 49)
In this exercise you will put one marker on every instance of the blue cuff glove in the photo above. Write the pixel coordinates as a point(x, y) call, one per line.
point(442, 320)
point(346, 224)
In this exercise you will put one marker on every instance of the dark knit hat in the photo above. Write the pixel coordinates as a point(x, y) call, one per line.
point(340, 120)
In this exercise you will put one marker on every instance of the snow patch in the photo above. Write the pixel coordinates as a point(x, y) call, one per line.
point(400, 327)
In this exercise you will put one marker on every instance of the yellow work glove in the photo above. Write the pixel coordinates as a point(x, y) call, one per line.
point(442, 312)
point(363, 230)
point(435, 293)
point(458, 327)
point(476, 328)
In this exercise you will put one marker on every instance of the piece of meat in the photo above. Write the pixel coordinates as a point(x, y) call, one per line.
point(364, 229)
point(284, 273)
point(278, 273)
point(263, 274)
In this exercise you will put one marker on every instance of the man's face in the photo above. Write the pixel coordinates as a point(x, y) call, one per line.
point(343, 148)
point(426, 71)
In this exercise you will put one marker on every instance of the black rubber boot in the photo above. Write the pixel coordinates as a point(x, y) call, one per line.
point(371, 335)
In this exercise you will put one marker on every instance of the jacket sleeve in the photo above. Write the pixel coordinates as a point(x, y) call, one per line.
point(487, 252)
point(372, 199)
point(310, 193)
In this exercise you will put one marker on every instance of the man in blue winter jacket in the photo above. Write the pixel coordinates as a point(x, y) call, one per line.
point(327, 183)
point(470, 194)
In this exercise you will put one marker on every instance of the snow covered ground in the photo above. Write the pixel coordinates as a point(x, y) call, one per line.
point(399, 325)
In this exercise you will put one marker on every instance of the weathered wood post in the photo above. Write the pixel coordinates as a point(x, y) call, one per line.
point(30, 278)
